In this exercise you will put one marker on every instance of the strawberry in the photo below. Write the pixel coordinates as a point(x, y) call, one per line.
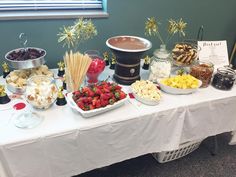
point(77, 93)
point(106, 102)
point(109, 87)
point(85, 89)
point(108, 95)
point(98, 104)
point(106, 89)
point(89, 99)
point(91, 107)
point(98, 91)
point(90, 93)
point(99, 86)
point(104, 83)
point(117, 95)
point(122, 95)
point(103, 102)
point(80, 105)
point(83, 99)
point(94, 88)
point(86, 107)
point(111, 101)
point(103, 96)
point(94, 101)
point(117, 87)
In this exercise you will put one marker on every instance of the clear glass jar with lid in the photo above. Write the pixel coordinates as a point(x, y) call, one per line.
point(224, 78)
point(160, 66)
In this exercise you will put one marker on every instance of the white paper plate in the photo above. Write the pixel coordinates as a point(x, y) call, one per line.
point(144, 100)
point(93, 112)
point(177, 91)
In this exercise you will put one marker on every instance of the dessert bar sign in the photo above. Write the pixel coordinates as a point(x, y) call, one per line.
point(214, 51)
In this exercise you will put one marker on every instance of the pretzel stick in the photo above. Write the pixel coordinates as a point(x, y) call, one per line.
point(76, 68)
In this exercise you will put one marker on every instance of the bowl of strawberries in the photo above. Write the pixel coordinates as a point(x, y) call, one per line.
point(96, 99)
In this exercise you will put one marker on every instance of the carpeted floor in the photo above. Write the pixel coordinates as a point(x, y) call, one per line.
point(199, 163)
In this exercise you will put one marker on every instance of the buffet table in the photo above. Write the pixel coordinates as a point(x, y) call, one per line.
point(66, 144)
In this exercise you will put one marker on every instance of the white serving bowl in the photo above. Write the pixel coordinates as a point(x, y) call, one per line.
point(177, 91)
point(145, 100)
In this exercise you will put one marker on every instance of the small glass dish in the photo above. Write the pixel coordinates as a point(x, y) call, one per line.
point(24, 117)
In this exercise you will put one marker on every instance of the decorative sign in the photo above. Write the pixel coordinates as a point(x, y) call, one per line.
point(215, 52)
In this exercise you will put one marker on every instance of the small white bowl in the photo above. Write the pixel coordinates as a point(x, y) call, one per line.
point(145, 100)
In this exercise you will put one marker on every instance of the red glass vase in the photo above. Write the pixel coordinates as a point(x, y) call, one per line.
point(95, 69)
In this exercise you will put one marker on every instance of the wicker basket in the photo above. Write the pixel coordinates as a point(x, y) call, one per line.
point(184, 149)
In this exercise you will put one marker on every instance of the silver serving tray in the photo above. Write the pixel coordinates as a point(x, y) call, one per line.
point(26, 64)
point(16, 90)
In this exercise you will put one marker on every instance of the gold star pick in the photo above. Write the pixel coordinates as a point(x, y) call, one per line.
point(147, 60)
point(60, 94)
point(61, 65)
point(105, 55)
point(5, 67)
point(113, 59)
point(2, 91)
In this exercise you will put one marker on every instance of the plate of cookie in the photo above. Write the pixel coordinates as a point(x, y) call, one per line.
point(185, 54)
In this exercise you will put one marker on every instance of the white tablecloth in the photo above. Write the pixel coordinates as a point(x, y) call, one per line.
point(67, 144)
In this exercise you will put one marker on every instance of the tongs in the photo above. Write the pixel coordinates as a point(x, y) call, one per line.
point(23, 41)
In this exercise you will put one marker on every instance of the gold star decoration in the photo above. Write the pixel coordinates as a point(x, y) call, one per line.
point(174, 26)
point(72, 36)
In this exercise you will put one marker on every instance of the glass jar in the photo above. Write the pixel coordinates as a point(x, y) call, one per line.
point(160, 66)
point(96, 67)
point(224, 78)
point(203, 71)
point(41, 91)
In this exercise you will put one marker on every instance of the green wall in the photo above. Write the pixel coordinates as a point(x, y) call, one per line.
point(127, 17)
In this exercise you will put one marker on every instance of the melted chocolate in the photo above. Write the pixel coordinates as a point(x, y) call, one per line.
point(127, 43)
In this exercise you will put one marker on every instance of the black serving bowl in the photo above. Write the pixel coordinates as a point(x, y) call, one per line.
point(128, 51)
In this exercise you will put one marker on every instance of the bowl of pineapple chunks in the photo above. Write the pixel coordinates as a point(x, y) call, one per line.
point(180, 84)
